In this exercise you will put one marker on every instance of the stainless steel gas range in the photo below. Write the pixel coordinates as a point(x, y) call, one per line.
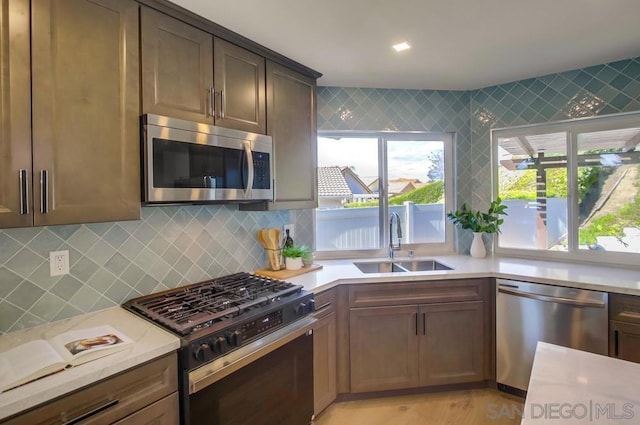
point(246, 348)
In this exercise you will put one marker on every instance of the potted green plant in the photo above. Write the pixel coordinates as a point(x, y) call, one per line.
point(479, 222)
point(293, 256)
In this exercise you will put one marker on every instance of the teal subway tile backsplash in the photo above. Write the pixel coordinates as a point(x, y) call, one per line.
point(172, 245)
point(111, 262)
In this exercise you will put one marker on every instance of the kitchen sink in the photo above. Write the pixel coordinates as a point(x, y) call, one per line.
point(379, 267)
point(400, 266)
point(422, 265)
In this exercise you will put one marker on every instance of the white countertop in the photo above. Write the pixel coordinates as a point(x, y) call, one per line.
point(572, 387)
point(599, 278)
point(150, 342)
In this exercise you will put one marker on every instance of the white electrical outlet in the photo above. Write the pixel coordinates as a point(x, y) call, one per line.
point(292, 231)
point(59, 262)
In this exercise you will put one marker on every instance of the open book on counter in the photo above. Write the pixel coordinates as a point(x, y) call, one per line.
point(38, 358)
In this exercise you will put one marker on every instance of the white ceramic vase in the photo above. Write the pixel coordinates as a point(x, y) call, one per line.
point(293, 263)
point(477, 246)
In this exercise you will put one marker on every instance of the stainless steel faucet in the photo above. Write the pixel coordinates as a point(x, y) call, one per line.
point(394, 247)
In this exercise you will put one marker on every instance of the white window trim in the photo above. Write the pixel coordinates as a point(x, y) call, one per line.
point(419, 249)
point(572, 128)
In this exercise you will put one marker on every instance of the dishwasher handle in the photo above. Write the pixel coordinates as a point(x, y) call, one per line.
point(548, 298)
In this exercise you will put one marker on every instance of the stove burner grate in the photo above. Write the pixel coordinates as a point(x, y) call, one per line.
point(200, 305)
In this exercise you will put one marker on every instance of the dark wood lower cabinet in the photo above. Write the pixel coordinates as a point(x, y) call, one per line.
point(395, 344)
point(324, 363)
point(624, 327)
point(624, 341)
point(452, 343)
point(162, 412)
point(143, 395)
point(384, 348)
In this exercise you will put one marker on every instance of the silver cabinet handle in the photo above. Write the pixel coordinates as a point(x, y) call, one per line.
point(221, 104)
point(212, 99)
point(24, 192)
point(424, 323)
point(561, 300)
point(322, 307)
point(44, 191)
point(92, 412)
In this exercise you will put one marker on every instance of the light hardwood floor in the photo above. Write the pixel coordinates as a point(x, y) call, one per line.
point(473, 407)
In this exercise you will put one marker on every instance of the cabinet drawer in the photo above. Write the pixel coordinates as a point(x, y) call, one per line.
point(110, 400)
point(162, 412)
point(325, 303)
point(417, 293)
point(624, 308)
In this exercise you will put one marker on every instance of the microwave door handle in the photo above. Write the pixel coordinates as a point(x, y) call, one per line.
point(249, 153)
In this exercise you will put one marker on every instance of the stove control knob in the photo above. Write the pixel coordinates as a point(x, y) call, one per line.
point(200, 352)
point(220, 345)
point(303, 308)
point(235, 338)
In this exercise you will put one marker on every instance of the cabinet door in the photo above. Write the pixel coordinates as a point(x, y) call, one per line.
point(384, 348)
point(177, 68)
point(291, 121)
point(324, 363)
point(15, 115)
point(86, 131)
point(239, 79)
point(451, 343)
point(624, 341)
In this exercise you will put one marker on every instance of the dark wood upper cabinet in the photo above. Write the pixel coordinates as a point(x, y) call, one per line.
point(291, 121)
point(190, 74)
point(86, 107)
point(239, 82)
point(70, 129)
point(15, 112)
point(177, 68)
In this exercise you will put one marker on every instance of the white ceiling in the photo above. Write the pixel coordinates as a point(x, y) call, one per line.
point(457, 44)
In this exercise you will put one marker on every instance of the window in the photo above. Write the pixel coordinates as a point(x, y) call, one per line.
point(571, 188)
point(363, 178)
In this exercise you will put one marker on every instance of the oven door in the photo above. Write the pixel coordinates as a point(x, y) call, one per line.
point(269, 382)
point(191, 162)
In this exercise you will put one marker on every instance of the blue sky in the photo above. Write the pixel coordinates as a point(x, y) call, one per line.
point(406, 158)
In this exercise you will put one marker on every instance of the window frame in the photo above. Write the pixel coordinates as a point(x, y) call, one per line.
point(446, 247)
point(572, 128)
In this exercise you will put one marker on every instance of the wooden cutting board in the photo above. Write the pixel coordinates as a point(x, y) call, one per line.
point(286, 274)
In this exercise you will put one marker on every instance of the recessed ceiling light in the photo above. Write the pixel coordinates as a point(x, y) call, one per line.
point(401, 46)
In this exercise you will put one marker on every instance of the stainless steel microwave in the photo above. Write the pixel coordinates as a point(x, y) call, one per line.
point(185, 161)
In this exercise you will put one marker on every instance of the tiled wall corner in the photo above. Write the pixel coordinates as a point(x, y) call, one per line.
point(596, 90)
point(112, 262)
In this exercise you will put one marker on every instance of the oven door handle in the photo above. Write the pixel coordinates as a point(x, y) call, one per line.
point(249, 154)
point(221, 367)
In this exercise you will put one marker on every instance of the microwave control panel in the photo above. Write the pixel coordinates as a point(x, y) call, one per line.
point(261, 173)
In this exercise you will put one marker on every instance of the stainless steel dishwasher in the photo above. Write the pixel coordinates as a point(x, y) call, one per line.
point(529, 312)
